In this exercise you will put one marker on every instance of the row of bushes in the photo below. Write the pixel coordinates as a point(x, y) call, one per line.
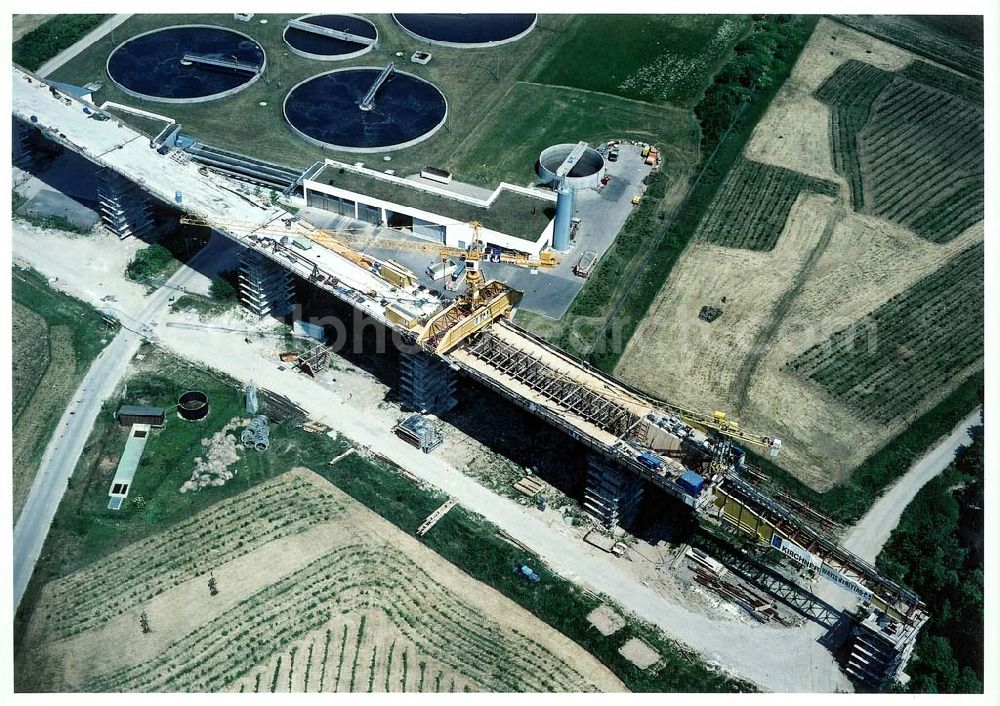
point(50, 38)
point(937, 550)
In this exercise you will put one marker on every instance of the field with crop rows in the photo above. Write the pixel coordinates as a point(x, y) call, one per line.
point(923, 160)
point(955, 41)
point(850, 93)
point(317, 593)
point(910, 347)
point(753, 203)
point(910, 151)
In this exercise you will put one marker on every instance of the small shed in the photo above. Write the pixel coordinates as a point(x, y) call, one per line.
point(132, 414)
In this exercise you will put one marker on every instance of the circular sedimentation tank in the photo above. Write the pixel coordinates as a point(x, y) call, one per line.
point(585, 173)
point(330, 48)
point(193, 405)
point(467, 31)
point(186, 64)
point(326, 110)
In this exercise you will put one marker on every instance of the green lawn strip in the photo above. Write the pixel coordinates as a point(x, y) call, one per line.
point(52, 37)
point(851, 499)
point(88, 331)
point(534, 116)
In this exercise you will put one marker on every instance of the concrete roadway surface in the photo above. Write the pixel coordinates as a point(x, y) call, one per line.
point(74, 428)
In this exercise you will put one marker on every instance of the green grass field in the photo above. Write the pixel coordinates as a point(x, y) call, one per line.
point(55, 338)
point(532, 117)
point(655, 58)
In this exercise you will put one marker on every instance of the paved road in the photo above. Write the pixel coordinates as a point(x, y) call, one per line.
point(872, 531)
point(88, 39)
point(74, 428)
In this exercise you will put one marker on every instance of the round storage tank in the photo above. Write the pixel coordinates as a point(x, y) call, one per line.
point(584, 173)
point(192, 405)
point(466, 31)
point(326, 110)
point(335, 37)
point(186, 64)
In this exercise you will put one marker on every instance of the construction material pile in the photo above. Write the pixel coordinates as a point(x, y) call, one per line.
point(213, 468)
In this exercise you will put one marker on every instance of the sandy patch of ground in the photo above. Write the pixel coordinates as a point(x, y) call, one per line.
point(678, 357)
point(606, 620)
point(794, 133)
point(117, 647)
point(639, 653)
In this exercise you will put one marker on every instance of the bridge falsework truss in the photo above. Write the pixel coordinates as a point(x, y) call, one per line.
point(548, 382)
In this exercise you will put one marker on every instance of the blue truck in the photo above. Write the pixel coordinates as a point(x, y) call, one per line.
point(650, 461)
point(527, 573)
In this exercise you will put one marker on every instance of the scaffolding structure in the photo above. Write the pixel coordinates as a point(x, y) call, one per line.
point(265, 286)
point(125, 207)
point(426, 383)
point(612, 494)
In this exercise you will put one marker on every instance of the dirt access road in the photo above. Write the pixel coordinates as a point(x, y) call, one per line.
point(66, 444)
point(777, 659)
point(872, 531)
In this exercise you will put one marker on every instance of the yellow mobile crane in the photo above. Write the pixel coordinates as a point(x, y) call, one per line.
point(472, 253)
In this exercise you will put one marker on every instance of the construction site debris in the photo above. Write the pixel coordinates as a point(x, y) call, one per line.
point(333, 461)
point(420, 432)
point(433, 518)
point(605, 543)
point(314, 427)
point(212, 469)
point(528, 486)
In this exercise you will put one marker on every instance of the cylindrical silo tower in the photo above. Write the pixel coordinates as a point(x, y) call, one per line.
point(565, 200)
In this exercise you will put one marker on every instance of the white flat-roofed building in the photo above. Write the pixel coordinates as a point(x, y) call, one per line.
point(512, 217)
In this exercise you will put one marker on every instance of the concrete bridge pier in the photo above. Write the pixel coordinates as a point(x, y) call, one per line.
point(612, 494)
point(426, 383)
point(265, 286)
point(125, 208)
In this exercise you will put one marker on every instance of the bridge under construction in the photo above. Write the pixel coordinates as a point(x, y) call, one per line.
point(632, 440)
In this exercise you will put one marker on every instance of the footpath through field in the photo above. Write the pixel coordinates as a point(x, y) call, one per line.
point(71, 51)
point(66, 444)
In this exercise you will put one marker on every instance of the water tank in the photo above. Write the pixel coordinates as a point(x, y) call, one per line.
point(564, 216)
point(574, 165)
